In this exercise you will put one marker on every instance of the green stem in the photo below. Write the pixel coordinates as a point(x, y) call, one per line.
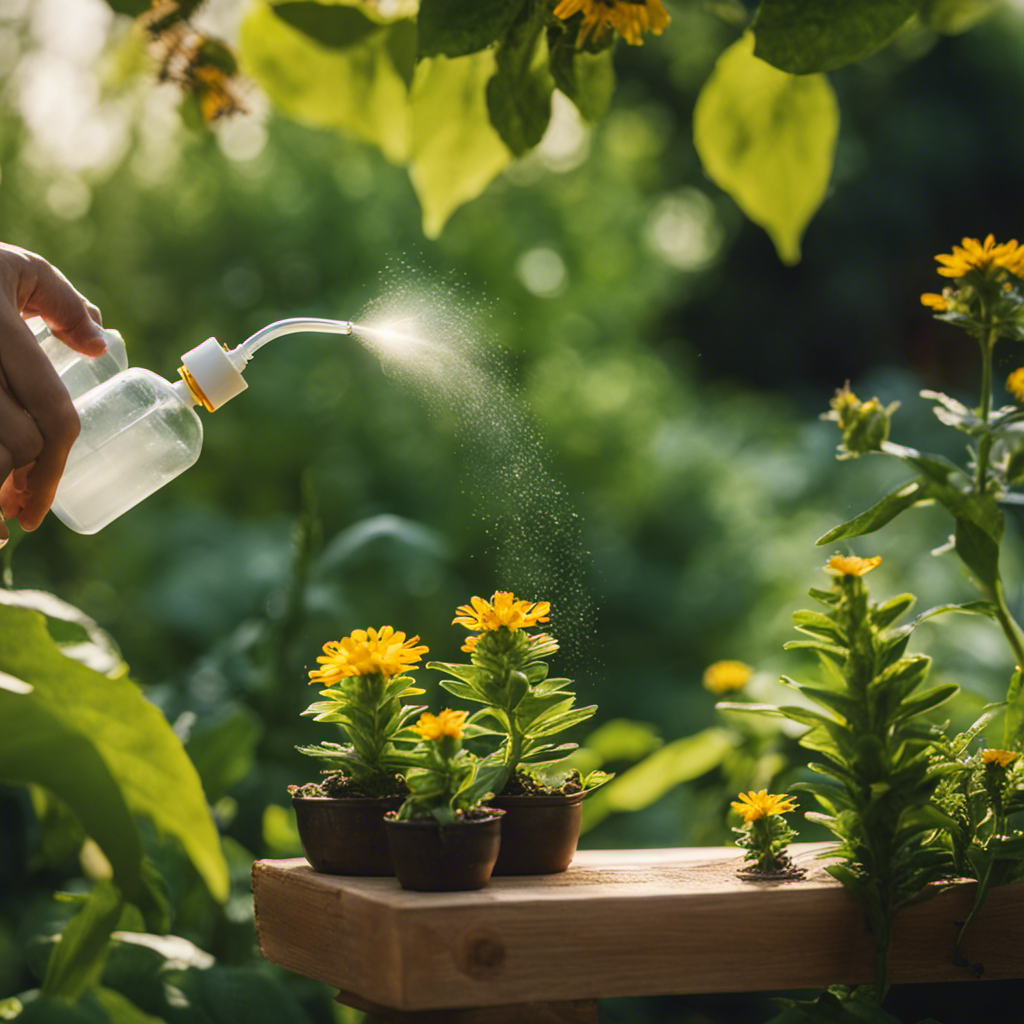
point(985, 409)
point(1009, 625)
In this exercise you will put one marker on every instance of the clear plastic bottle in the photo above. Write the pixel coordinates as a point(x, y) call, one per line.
point(140, 431)
point(80, 373)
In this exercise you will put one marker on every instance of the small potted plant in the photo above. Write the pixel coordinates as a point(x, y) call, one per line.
point(508, 674)
point(441, 838)
point(340, 819)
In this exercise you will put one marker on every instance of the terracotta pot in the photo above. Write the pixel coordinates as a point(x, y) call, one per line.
point(345, 835)
point(538, 833)
point(430, 857)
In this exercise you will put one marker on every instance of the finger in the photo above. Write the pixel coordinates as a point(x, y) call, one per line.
point(37, 389)
point(42, 290)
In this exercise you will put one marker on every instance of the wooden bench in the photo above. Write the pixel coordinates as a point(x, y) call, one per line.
point(542, 950)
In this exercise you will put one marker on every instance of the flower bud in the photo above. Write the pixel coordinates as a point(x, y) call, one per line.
point(865, 425)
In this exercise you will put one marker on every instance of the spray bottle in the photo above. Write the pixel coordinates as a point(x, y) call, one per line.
point(140, 431)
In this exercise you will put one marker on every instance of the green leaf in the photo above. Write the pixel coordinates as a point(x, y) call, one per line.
point(886, 614)
point(519, 93)
point(878, 515)
point(77, 719)
point(924, 702)
point(803, 36)
point(77, 960)
point(453, 28)
point(979, 552)
point(327, 24)
point(677, 762)
point(456, 152)
point(588, 79)
point(362, 89)
point(767, 138)
point(952, 17)
point(548, 725)
point(818, 624)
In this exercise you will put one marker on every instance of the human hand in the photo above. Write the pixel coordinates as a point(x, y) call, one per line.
point(38, 422)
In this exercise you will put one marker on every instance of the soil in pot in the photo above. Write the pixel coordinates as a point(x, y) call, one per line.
point(342, 832)
point(541, 825)
point(429, 857)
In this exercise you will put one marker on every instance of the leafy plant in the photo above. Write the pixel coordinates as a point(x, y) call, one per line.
point(508, 674)
point(456, 91)
point(445, 780)
point(878, 753)
point(765, 833)
point(364, 697)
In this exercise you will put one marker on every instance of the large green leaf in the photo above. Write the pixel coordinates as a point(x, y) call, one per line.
point(519, 93)
point(456, 153)
point(107, 724)
point(361, 89)
point(767, 138)
point(680, 761)
point(453, 28)
point(38, 745)
point(804, 36)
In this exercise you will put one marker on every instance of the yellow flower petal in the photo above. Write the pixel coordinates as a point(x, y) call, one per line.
point(760, 805)
point(851, 565)
point(366, 652)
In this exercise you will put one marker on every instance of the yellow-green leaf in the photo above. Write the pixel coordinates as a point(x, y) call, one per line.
point(456, 153)
point(361, 89)
point(767, 138)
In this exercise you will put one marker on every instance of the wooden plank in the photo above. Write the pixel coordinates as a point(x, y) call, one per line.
point(576, 1011)
point(617, 923)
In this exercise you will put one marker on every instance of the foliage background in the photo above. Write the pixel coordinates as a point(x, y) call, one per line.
point(662, 365)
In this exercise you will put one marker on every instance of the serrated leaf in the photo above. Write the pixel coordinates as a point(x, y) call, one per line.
point(805, 36)
point(453, 28)
point(767, 138)
point(558, 723)
point(874, 518)
point(456, 153)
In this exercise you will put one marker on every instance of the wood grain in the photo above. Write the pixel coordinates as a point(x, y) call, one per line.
point(617, 923)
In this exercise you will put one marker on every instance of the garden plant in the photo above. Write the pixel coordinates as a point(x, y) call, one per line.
point(583, 169)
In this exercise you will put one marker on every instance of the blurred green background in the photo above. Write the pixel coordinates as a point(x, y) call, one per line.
point(638, 442)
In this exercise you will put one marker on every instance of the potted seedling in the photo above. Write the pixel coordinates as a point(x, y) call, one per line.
point(508, 674)
point(442, 839)
point(340, 819)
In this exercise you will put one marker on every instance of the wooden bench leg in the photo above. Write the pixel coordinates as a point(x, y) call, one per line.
point(573, 1011)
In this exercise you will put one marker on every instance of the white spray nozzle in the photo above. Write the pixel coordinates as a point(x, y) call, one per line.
point(214, 374)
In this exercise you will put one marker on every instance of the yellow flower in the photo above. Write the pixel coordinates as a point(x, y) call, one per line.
point(723, 676)
point(366, 652)
point(502, 610)
point(934, 301)
point(851, 565)
point(1015, 384)
point(630, 18)
point(1003, 758)
point(447, 723)
point(982, 256)
point(760, 805)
